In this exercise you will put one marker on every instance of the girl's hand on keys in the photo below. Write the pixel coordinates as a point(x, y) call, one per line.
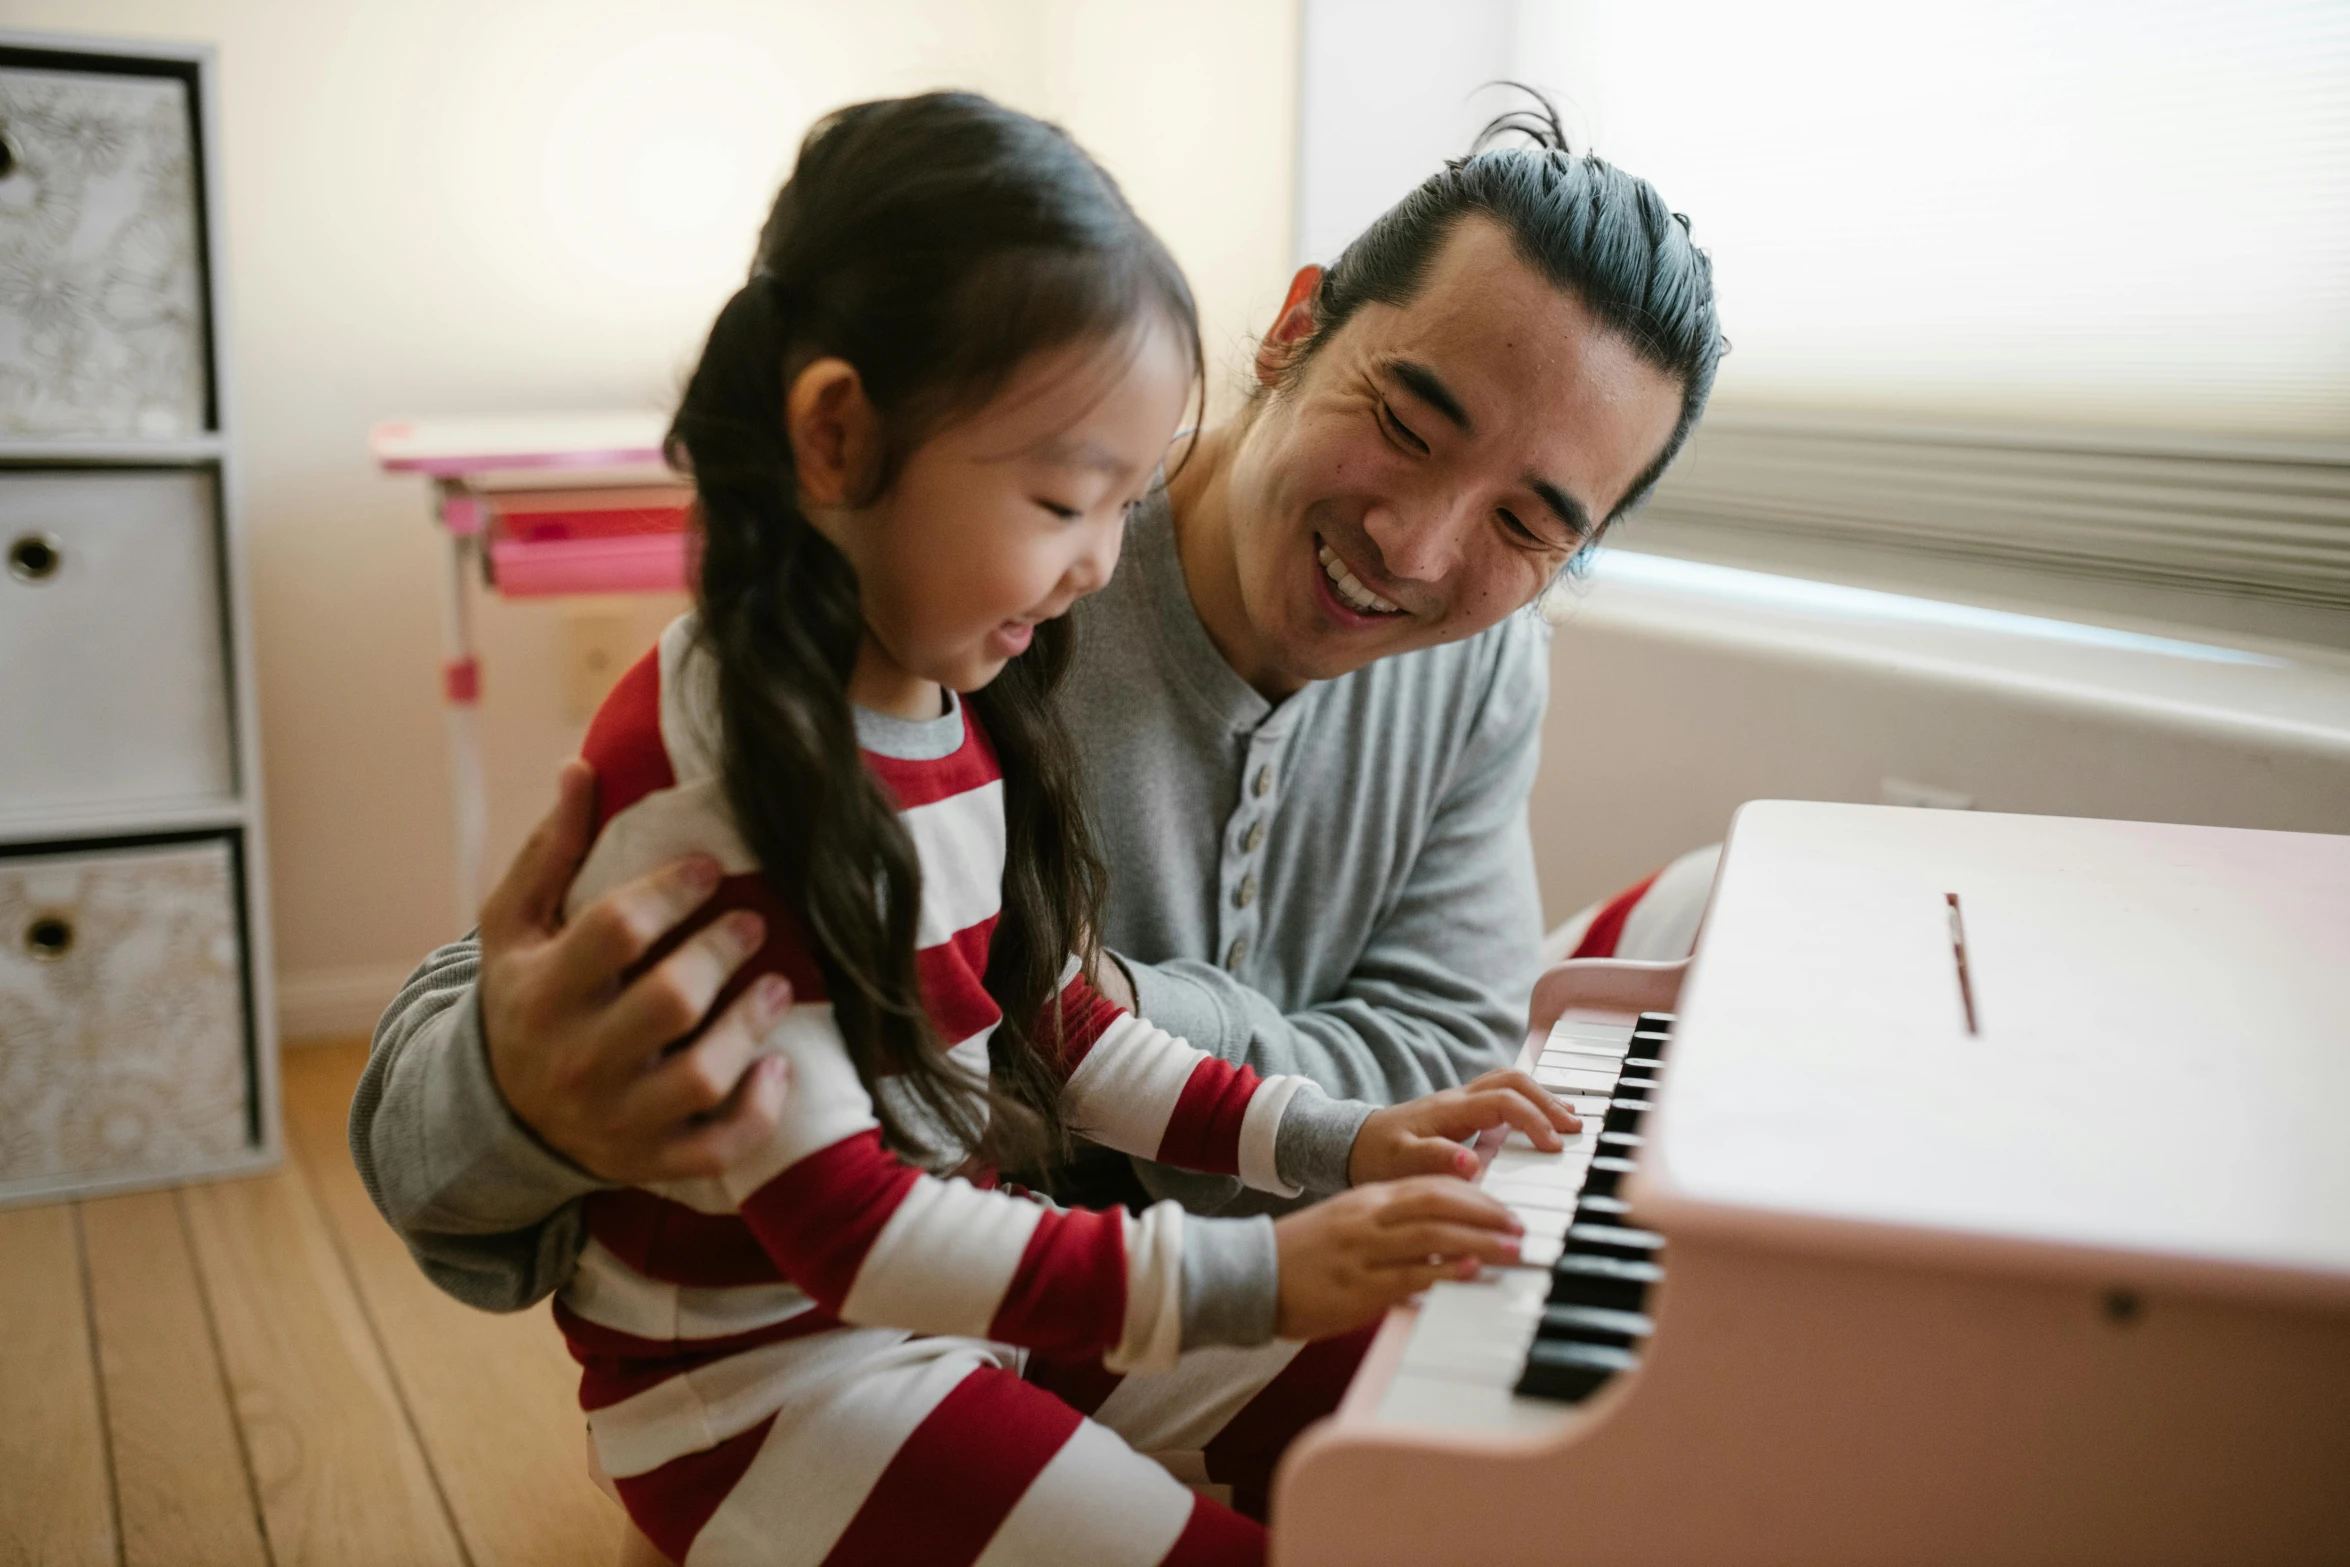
point(1347, 1259)
point(1423, 1136)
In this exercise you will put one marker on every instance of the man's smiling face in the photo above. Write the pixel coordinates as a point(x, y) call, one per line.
point(1434, 464)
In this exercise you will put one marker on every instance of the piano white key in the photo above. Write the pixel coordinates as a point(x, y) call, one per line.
point(1619, 1046)
point(1585, 1141)
point(1560, 1080)
point(1531, 1166)
point(1477, 1330)
point(1590, 1107)
point(1549, 1223)
point(1540, 1251)
point(1420, 1400)
point(1514, 1195)
point(1583, 1061)
point(1583, 1032)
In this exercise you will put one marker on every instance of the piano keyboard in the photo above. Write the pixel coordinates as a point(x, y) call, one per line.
point(1593, 1323)
point(1572, 1314)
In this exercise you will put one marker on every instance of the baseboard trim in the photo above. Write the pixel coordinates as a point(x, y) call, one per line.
point(315, 1006)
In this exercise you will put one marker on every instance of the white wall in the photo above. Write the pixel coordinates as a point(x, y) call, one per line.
point(435, 207)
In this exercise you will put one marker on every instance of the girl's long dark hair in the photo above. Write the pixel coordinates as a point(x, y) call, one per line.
point(934, 243)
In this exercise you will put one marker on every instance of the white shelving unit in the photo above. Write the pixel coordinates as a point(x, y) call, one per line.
point(137, 1031)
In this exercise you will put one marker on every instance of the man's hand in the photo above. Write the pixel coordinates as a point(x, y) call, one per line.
point(1423, 1136)
point(1347, 1259)
point(578, 1057)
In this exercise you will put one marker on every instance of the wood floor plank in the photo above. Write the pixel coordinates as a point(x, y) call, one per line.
point(340, 1477)
point(494, 1398)
point(56, 1500)
point(180, 1482)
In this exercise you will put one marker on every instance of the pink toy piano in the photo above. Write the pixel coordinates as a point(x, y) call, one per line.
point(536, 506)
point(2008, 1229)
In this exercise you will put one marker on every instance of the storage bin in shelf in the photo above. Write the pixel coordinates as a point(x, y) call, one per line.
point(112, 634)
point(125, 1054)
point(100, 189)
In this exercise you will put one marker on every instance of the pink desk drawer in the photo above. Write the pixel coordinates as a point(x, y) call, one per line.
point(543, 568)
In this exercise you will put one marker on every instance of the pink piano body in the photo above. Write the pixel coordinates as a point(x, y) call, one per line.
point(2128, 1341)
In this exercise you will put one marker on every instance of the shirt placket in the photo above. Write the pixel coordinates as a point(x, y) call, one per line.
point(1240, 880)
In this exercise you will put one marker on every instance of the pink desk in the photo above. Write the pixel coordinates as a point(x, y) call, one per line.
point(535, 506)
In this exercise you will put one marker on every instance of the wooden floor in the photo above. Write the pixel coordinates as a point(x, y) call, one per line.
point(254, 1371)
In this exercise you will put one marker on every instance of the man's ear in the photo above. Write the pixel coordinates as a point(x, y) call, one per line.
point(1277, 350)
point(834, 432)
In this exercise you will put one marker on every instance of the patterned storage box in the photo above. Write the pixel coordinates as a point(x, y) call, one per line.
point(123, 1049)
point(102, 320)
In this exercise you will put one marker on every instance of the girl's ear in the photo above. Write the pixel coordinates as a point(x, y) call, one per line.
point(834, 432)
point(1278, 348)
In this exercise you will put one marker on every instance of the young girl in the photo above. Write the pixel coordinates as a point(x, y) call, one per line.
point(915, 434)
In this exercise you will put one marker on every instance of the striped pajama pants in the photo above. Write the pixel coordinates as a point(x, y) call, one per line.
point(899, 1450)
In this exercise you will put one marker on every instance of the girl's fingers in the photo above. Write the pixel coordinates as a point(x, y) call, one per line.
point(1505, 1107)
point(1474, 1109)
point(1552, 1107)
point(1524, 1085)
point(1434, 1156)
point(1436, 1239)
point(1422, 1197)
point(1400, 1283)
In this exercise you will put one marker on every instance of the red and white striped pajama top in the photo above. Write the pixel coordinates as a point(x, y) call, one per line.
point(814, 1357)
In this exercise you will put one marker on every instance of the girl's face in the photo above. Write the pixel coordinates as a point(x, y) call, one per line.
point(1000, 520)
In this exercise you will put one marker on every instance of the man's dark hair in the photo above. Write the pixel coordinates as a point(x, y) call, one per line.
point(1582, 223)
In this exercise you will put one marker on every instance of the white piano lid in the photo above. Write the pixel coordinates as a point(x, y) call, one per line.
point(2162, 1075)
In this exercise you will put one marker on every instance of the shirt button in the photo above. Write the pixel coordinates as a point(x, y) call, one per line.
point(1263, 785)
point(1255, 839)
point(1234, 953)
point(1248, 890)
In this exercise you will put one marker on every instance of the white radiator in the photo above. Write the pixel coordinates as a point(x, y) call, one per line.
point(1680, 690)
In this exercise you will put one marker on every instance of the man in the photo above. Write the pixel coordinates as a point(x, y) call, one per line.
point(1310, 698)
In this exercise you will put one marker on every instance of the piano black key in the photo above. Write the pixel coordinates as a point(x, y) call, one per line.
point(1569, 1371)
point(1604, 1175)
point(1593, 1325)
point(1614, 1240)
point(1591, 1208)
point(1643, 1064)
point(1627, 1142)
point(1623, 1115)
point(1612, 1282)
point(1636, 1087)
